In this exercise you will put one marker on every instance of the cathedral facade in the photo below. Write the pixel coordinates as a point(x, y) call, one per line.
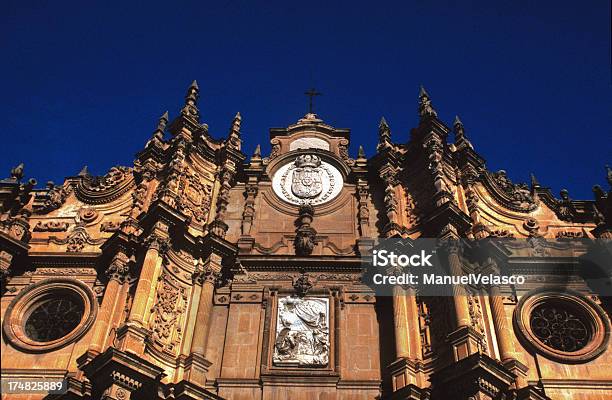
point(201, 273)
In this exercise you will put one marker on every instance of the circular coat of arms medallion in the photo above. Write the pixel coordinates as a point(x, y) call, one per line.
point(308, 179)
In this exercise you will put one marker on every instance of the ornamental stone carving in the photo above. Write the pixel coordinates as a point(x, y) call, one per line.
point(305, 237)
point(302, 332)
point(77, 240)
point(167, 314)
point(307, 180)
point(51, 226)
point(517, 196)
point(103, 189)
point(54, 198)
point(119, 268)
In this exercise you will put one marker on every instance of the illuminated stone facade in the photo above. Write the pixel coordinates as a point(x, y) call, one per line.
point(199, 274)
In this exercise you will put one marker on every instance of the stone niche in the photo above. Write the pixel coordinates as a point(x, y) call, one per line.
point(302, 332)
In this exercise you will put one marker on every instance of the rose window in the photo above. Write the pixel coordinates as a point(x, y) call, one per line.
point(53, 319)
point(562, 325)
point(559, 328)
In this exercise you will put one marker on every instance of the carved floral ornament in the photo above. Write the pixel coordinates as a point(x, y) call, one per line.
point(562, 325)
point(307, 179)
point(50, 314)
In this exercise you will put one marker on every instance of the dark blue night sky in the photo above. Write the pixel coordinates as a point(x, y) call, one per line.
point(531, 80)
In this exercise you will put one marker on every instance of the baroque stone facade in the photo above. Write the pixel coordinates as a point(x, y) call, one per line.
point(199, 274)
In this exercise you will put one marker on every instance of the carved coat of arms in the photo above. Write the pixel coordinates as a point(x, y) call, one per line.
point(307, 179)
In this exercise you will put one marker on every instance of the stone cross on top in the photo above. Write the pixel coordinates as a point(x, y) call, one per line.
point(311, 94)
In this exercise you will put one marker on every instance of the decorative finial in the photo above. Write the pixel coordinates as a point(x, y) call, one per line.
point(423, 92)
point(237, 121)
point(458, 127)
point(457, 122)
point(256, 157)
point(383, 123)
point(384, 134)
point(361, 152)
point(191, 98)
point(534, 181)
point(426, 109)
point(564, 193)
point(84, 171)
point(234, 135)
point(17, 172)
point(161, 126)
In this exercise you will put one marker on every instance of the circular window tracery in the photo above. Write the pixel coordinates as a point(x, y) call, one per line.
point(562, 325)
point(560, 328)
point(54, 318)
point(50, 314)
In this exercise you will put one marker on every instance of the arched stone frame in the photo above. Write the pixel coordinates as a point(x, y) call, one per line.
point(31, 297)
point(592, 314)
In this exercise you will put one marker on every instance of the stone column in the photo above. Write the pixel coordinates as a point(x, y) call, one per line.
point(405, 369)
point(414, 330)
point(400, 323)
point(205, 277)
point(148, 274)
point(132, 335)
point(507, 351)
point(462, 310)
point(117, 272)
point(464, 340)
point(504, 341)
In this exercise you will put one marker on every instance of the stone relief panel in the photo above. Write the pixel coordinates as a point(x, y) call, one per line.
point(302, 332)
point(168, 314)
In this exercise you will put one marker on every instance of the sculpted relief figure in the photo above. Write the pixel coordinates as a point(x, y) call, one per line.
point(302, 333)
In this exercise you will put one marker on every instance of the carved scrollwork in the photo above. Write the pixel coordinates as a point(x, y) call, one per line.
point(104, 189)
point(500, 233)
point(343, 150)
point(51, 226)
point(570, 235)
point(275, 149)
point(86, 215)
point(77, 240)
